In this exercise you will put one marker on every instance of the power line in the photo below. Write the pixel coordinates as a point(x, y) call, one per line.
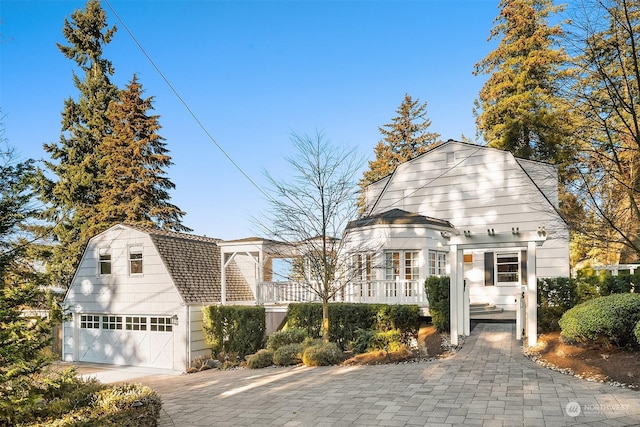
point(184, 103)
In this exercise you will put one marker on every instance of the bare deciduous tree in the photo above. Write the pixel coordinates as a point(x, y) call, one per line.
point(309, 212)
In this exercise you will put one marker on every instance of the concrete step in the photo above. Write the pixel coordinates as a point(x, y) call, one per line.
point(483, 308)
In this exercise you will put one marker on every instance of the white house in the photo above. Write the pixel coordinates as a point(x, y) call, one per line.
point(137, 297)
point(478, 214)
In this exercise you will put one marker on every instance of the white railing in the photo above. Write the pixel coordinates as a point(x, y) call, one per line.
point(374, 291)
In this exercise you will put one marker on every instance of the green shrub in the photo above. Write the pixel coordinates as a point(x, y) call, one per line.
point(636, 332)
point(286, 336)
point(94, 404)
point(345, 319)
point(234, 329)
point(261, 359)
point(363, 340)
point(322, 354)
point(611, 319)
point(368, 340)
point(555, 297)
point(290, 354)
point(616, 284)
point(387, 340)
point(437, 290)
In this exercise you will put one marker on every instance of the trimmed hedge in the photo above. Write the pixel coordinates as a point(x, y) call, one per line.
point(437, 289)
point(346, 318)
point(555, 297)
point(290, 354)
point(611, 319)
point(261, 359)
point(234, 329)
point(322, 354)
point(286, 336)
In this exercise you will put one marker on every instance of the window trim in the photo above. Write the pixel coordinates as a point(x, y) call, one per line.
point(105, 251)
point(518, 263)
point(437, 263)
point(133, 250)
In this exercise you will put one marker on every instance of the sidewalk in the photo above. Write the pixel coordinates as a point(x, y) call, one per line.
point(489, 383)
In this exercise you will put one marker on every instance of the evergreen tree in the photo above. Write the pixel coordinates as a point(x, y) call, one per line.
point(403, 139)
point(73, 195)
point(520, 107)
point(134, 158)
point(82, 198)
point(23, 339)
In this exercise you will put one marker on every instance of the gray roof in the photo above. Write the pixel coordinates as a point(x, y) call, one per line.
point(398, 216)
point(194, 265)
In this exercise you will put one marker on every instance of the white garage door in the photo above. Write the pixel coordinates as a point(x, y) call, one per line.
point(126, 340)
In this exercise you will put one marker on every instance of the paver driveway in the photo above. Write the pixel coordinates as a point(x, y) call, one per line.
point(489, 382)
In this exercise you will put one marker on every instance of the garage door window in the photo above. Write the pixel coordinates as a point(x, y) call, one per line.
point(161, 324)
point(89, 321)
point(112, 322)
point(135, 323)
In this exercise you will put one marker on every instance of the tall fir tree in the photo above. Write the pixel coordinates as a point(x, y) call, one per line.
point(406, 137)
point(134, 161)
point(73, 193)
point(520, 107)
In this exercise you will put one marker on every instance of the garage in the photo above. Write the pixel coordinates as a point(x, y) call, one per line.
point(138, 340)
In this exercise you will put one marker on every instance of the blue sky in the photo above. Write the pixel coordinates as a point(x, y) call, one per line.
point(253, 72)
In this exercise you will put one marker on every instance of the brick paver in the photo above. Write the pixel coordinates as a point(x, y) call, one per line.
point(487, 383)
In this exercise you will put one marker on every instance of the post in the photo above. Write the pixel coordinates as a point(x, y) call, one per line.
point(532, 295)
point(454, 297)
point(223, 281)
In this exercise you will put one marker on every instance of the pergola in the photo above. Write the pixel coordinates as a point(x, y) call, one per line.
point(459, 294)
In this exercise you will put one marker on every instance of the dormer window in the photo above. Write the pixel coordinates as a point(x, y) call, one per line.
point(135, 259)
point(104, 267)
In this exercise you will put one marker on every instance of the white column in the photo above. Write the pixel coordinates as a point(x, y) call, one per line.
point(454, 303)
point(467, 317)
point(532, 295)
point(223, 281)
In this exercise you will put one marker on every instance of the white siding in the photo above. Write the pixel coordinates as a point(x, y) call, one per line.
point(151, 293)
point(199, 346)
point(483, 188)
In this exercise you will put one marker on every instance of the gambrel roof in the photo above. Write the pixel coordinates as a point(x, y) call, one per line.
point(194, 265)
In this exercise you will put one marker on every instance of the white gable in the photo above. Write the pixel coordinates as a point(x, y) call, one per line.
point(151, 292)
point(474, 188)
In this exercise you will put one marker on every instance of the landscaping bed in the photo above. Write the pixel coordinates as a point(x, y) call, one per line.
point(591, 361)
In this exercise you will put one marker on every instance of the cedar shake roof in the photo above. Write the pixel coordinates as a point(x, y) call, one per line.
point(194, 265)
point(398, 216)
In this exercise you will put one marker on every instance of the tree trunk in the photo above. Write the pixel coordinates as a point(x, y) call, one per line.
point(325, 320)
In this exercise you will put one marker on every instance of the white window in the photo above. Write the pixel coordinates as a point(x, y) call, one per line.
point(136, 323)
point(437, 263)
point(508, 268)
point(105, 261)
point(135, 259)
point(89, 321)
point(161, 324)
point(362, 264)
point(112, 322)
point(401, 265)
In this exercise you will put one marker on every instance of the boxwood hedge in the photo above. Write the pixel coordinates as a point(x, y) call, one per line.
point(610, 319)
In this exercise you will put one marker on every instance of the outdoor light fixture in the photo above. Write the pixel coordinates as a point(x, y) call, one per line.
point(491, 232)
point(174, 320)
point(515, 230)
point(467, 233)
point(542, 231)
